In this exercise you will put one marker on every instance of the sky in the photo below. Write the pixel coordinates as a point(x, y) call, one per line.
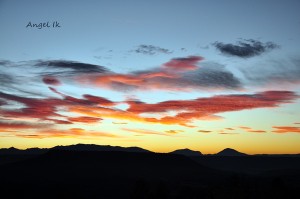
point(161, 75)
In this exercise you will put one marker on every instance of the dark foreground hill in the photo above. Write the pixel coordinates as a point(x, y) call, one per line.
point(134, 175)
point(94, 174)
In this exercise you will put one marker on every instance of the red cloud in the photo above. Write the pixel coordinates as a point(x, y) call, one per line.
point(204, 107)
point(19, 125)
point(217, 104)
point(189, 110)
point(183, 64)
point(98, 107)
point(180, 74)
point(99, 100)
point(46, 109)
point(286, 129)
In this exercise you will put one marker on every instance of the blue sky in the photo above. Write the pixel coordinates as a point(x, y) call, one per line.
point(134, 39)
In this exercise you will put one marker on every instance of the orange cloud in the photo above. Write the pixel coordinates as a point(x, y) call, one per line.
point(286, 129)
point(256, 131)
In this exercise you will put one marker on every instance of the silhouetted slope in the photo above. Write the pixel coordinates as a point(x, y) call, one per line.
point(100, 173)
point(186, 152)
point(250, 164)
point(230, 152)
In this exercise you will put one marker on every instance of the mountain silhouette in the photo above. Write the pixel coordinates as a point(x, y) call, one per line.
point(76, 147)
point(99, 174)
point(93, 147)
point(187, 152)
point(230, 152)
point(93, 171)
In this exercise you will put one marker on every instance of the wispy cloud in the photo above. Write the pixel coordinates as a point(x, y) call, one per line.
point(144, 131)
point(274, 74)
point(226, 133)
point(204, 131)
point(151, 50)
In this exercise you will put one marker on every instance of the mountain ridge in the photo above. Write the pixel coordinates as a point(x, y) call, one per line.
point(95, 147)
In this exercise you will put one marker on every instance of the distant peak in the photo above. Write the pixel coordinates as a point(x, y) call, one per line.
point(187, 152)
point(230, 152)
point(229, 149)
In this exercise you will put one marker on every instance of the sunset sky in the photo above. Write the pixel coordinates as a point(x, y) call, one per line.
point(161, 75)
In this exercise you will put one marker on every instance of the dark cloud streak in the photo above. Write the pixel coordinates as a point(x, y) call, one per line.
point(72, 67)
